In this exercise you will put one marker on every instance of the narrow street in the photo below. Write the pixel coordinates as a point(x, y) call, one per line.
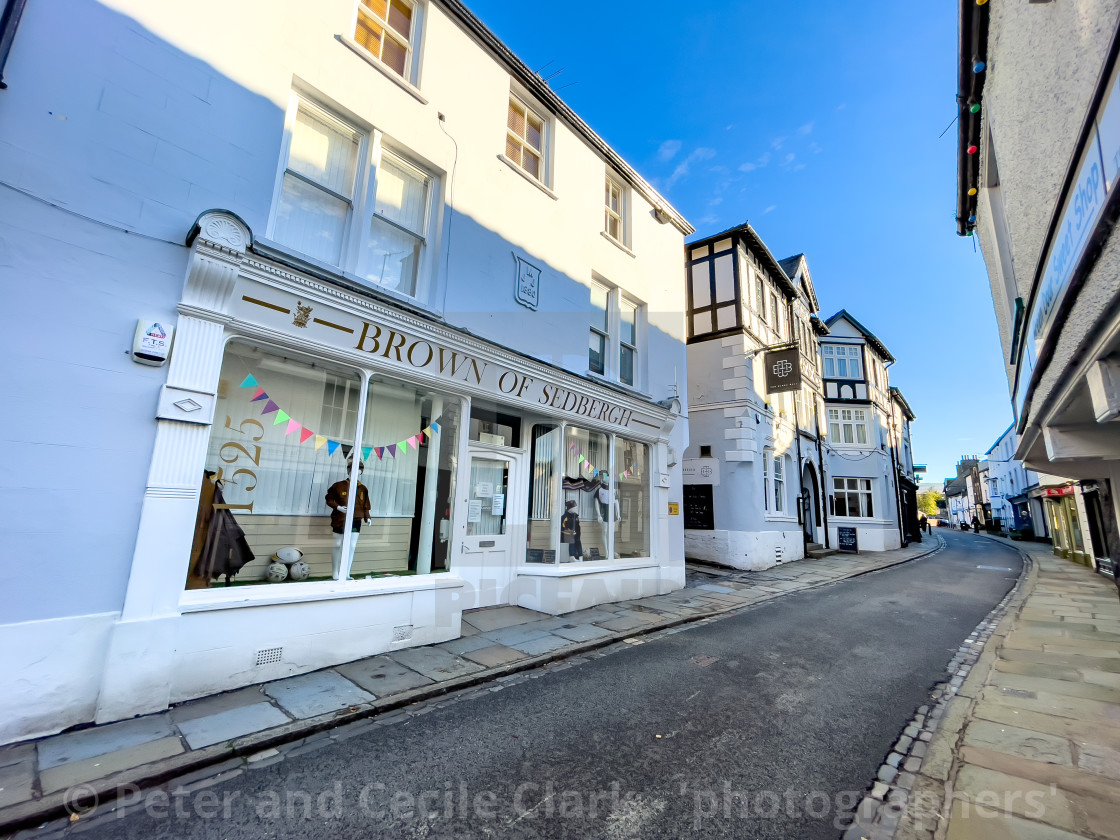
point(768, 724)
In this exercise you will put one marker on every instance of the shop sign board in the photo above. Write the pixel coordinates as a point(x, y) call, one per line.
point(847, 540)
point(1060, 491)
point(700, 471)
point(783, 370)
point(406, 350)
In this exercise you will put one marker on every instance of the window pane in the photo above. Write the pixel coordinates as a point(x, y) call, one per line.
point(324, 151)
point(393, 257)
point(394, 55)
point(701, 285)
point(515, 121)
point(402, 194)
point(513, 150)
point(532, 164)
point(586, 455)
point(842, 367)
point(848, 433)
point(368, 33)
point(400, 17)
point(310, 220)
point(612, 226)
point(544, 476)
point(828, 368)
point(628, 322)
point(630, 495)
point(626, 366)
point(488, 491)
point(725, 317)
point(701, 323)
point(534, 132)
point(276, 455)
point(599, 307)
point(834, 432)
point(378, 7)
point(596, 360)
point(861, 433)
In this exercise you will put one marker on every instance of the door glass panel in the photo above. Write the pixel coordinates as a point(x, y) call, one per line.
point(486, 507)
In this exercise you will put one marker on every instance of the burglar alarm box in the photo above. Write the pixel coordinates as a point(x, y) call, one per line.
point(151, 345)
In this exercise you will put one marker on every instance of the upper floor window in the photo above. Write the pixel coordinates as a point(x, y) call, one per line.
point(841, 361)
point(525, 138)
point(713, 291)
point(847, 425)
point(346, 200)
point(613, 349)
point(614, 224)
point(775, 314)
point(387, 29)
point(760, 296)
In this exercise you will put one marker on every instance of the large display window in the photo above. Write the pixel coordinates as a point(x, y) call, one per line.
point(589, 496)
point(287, 495)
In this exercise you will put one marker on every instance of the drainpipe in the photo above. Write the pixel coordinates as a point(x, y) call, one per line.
point(820, 476)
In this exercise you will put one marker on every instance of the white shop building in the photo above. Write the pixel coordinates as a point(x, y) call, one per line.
point(424, 263)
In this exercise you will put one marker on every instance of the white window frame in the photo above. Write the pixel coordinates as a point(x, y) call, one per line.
point(849, 353)
point(372, 151)
point(411, 44)
point(779, 473)
point(598, 332)
point(544, 172)
point(847, 422)
point(621, 216)
point(863, 489)
point(613, 341)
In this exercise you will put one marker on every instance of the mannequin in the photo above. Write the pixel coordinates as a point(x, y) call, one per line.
point(359, 512)
point(570, 530)
point(605, 496)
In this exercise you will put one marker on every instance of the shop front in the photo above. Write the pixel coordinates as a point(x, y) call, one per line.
point(1065, 522)
point(335, 477)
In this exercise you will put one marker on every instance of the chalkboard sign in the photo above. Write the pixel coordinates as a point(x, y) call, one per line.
point(593, 553)
point(540, 555)
point(847, 540)
point(698, 512)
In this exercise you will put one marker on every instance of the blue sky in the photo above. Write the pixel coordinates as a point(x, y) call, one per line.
point(818, 122)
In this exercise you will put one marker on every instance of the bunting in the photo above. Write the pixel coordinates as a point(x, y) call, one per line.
point(291, 425)
point(591, 468)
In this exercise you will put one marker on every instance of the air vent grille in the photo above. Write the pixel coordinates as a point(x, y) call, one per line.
point(268, 656)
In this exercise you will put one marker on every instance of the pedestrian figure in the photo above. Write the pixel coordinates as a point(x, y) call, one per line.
point(976, 524)
point(923, 523)
point(570, 531)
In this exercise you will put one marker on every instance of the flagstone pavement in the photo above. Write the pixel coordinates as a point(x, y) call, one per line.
point(60, 774)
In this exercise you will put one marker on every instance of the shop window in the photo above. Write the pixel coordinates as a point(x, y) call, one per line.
point(586, 467)
point(278, 470)
point(628, 494)
point(409, 444)
point(544, 538)
point(489, 425)
point(852, 497)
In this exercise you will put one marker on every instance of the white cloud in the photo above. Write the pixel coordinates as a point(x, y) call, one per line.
point(747, 167)
point(788, 159)
point(668, 150)
point(698, 154)
point(777, 143)
point(770, 209)
point(799, 167)
point(841, 106)
point(763, 159)
point(806, 129)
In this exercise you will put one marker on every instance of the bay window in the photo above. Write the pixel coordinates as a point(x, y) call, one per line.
point(841, 361)
point(345, 199)
point(847, 426)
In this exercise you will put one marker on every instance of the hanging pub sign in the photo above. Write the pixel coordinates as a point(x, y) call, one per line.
point(783, 370)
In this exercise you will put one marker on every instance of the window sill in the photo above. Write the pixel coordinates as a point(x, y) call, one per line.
point(407, 87)
point(236, 597)
point(583, 568)
point(777, 517)
point(617, 244)
point(538, 184)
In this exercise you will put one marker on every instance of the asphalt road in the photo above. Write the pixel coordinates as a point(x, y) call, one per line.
point(768, 724)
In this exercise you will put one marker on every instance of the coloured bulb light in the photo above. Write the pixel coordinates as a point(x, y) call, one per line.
point(972, 191)
point(972, 150)
point(978, 67)
point(974, 108)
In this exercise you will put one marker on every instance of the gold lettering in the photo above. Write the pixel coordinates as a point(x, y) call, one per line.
point(376, 336)
point(544, 395)
point(477, 373)
point(525, 382)
point(502, 380)
point(445, 363)
point(413, 346)
point(581, 406)
point(556, 400)
point(390, 347)
point(624, 420)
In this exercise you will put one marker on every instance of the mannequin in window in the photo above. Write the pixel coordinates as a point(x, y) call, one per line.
point(337, 500)
point(570, 530)
point(605, 496)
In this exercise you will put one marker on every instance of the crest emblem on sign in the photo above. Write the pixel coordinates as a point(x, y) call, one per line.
point(783, 368)
point(302, 314)
point(527, 288)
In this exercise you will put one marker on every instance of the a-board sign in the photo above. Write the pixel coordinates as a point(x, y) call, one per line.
point(699, 514)
point(593, 553)
point(847, 539)
point(540, 555)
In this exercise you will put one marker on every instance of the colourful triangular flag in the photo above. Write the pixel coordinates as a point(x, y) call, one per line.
point(260, 395)
point(281, 417)
point(435, 428)
point(572, 446)
point(249, 382)
point(428, 432)
point(379, 451)
point(582, 459)
point(412, 441)
point(332, 445)
point(292, 426)
point(319, 441)
point(402, 446)
point(347, 449)
point(304, 435)
point(594, 473)
point(270, 406)
point(392, 447)
point(365, 452)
